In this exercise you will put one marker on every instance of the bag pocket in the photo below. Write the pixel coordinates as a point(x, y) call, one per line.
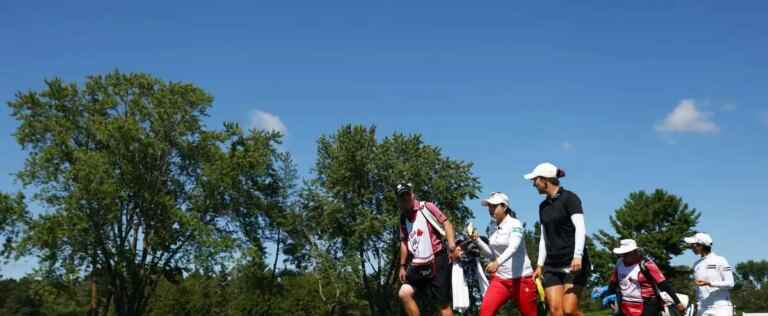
point(423, 272)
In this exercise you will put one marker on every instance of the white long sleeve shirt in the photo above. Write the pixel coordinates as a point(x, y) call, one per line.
point(715, 270)
point(508, 247)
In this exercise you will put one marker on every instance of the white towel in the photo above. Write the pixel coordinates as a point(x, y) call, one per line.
point(460, 289)
point(481, 279)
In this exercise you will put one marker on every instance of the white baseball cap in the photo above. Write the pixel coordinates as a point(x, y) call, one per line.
point(699, 238)
point(546, 170)
point(496, 198)
point(626, 246)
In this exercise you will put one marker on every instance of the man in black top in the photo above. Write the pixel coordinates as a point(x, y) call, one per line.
point(563, 263)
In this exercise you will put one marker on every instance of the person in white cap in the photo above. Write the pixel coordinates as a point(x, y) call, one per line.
point(713, 276)
point(636, 281)
point(563, 262)
point(511, 269)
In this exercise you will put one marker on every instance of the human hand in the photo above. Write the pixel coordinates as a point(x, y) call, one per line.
point(537, 273)
point(702, 283)
point(576, 264)
point(454, 254)
point(492, 267)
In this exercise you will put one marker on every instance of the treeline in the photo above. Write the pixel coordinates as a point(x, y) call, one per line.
point(146, 211)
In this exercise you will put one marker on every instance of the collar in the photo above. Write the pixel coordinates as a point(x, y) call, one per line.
point(504, 221)
point(559, 193)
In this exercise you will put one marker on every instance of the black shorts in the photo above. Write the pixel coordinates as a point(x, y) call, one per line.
point(439, 286)
point(556, 276)
point(651, 307)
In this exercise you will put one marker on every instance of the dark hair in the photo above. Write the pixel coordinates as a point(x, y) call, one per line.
point(707, 249)
point(556, 181)
point(402, 188)
point(510, 212)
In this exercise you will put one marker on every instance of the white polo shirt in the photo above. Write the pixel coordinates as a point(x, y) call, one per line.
point(715, 270)
point(508, 247)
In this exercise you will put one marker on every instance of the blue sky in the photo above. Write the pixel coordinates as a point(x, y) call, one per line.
point(623, 96)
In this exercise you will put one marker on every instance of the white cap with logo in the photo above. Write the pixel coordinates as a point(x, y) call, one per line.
point(699, 238)
point(545, 170)
point(496, 198)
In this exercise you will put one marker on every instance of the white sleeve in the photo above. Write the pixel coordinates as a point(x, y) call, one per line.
point(515, 239)
point(581, 234)
point(542, 249)
point(484, 248)
point(726, 276)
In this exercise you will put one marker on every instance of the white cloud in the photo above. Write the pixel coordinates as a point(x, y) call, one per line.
point(267, 122)
point(686, 118)
point(567, 145)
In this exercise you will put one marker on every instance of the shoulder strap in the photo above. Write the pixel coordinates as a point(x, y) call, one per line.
point(431, 219)
point(647, 273)
point(654, 284)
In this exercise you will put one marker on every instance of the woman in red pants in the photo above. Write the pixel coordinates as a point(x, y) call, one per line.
point(511, 269)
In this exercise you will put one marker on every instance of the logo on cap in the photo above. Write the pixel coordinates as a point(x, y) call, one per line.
point(403, 187)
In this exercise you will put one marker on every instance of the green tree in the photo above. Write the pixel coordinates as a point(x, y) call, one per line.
point(752, 296)
point(283, 221)
point(13, 220)
point(196, 294)
point(602, 261)
point(658, 222)
point(754, 272)
point(16, 298)
point(41, 293)
point(531, 238)
point(350, 209)
point(133, 185)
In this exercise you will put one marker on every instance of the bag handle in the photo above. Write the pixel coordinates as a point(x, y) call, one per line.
point(431, 219)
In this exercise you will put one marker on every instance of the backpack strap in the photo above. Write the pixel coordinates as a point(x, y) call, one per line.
point(654, 284)
point(431, 219)
point(648, 274)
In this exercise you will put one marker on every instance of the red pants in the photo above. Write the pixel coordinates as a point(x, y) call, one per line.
point(522, 291)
